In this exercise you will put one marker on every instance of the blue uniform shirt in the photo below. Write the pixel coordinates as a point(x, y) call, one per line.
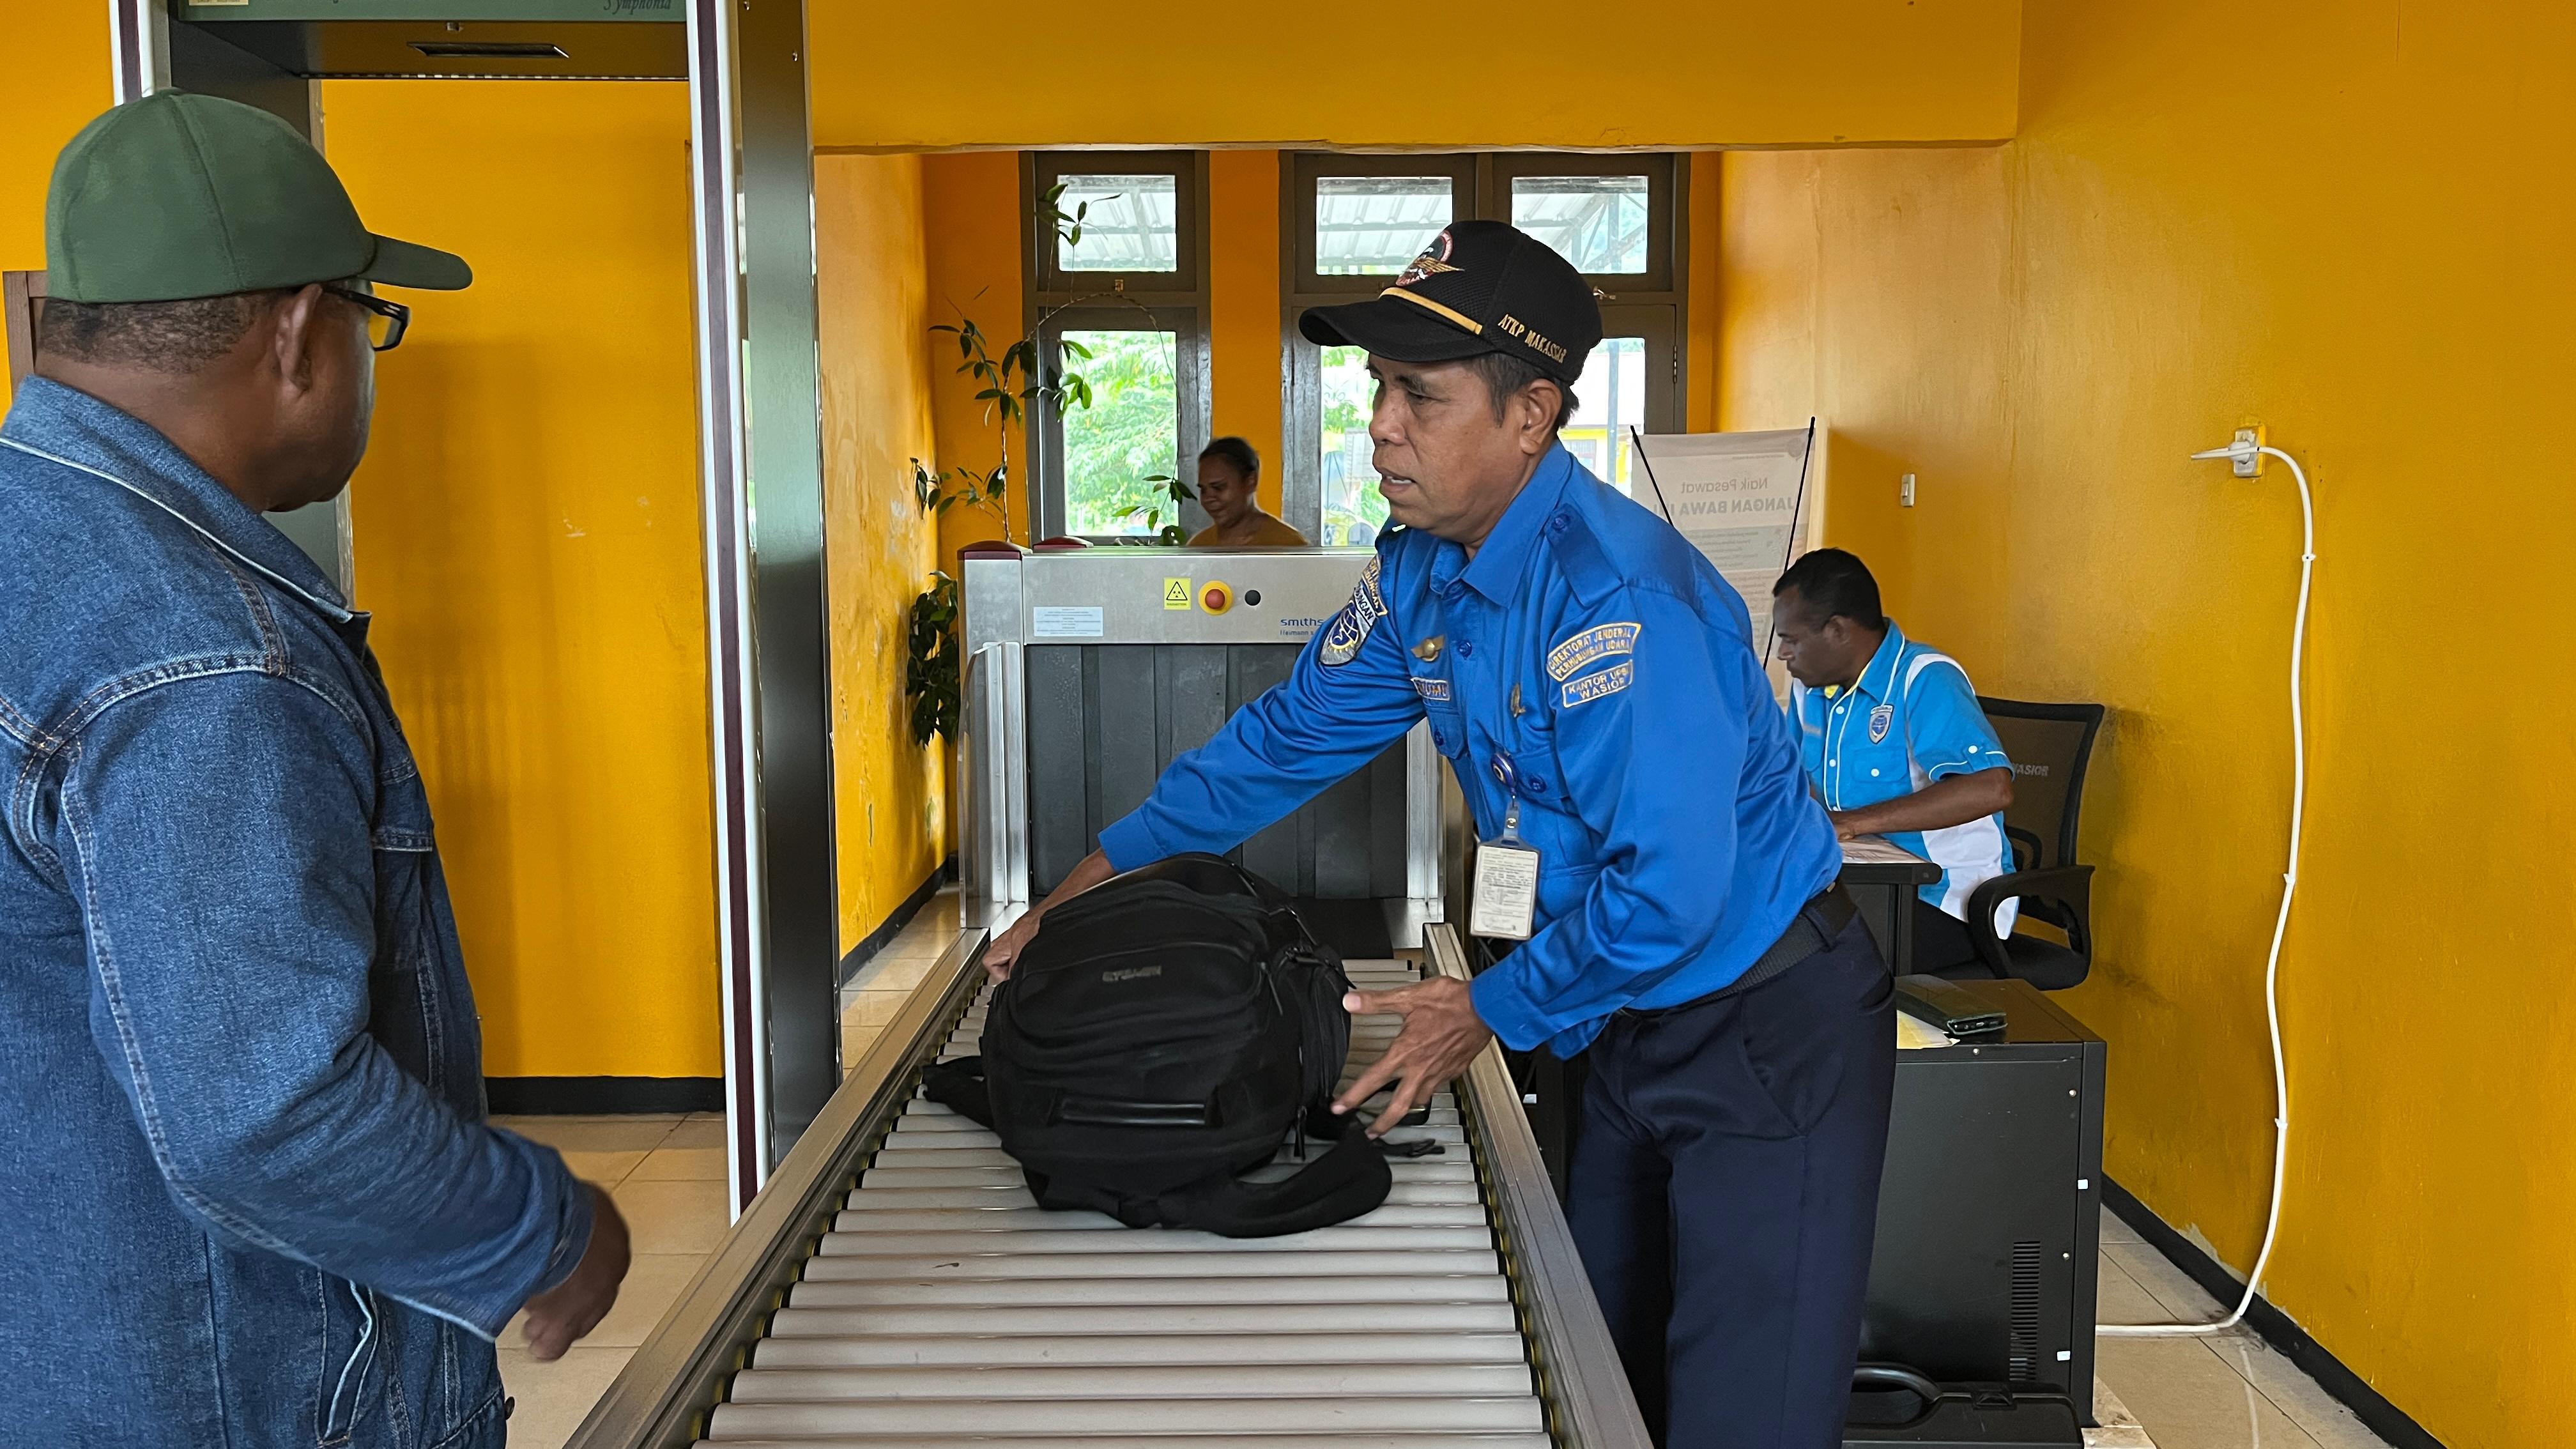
point(1593, 648)
point(1910, 719)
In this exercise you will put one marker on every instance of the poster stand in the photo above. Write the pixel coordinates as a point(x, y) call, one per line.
point(1740, 498)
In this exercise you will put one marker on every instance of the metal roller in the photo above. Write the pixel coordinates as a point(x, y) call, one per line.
point(896, 1287)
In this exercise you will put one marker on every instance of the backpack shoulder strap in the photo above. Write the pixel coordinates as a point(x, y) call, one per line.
point(1345, 1182)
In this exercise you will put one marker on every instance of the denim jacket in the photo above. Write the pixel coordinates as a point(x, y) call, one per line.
point(246, 1193)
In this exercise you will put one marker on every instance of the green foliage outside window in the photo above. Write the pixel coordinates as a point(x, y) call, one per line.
point(1121, 453)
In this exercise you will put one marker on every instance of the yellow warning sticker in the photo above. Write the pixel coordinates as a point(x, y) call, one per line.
point(1176, 593)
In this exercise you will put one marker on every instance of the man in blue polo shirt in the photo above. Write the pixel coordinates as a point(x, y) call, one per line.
point(1895, 744)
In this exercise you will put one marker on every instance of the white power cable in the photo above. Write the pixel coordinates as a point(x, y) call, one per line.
point(2280, 924)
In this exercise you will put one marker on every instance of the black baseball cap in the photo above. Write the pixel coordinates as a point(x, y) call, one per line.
point(1481, 286)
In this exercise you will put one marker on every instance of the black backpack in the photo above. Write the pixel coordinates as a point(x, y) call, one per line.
point(1162, 1035)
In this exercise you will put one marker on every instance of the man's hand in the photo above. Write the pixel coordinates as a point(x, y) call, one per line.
point(1007, 946)
point(574, 1306)
point(1845, 827)
point(1441, 1035)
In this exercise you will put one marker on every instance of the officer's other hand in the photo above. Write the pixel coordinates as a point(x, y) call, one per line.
point(1845, 827)
point(564, 1313)
point(1006, 947)
point(1440, 1036)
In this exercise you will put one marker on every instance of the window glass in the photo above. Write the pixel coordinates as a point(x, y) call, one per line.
point(1374, 225)
point(1596, 222)
point(1609, 402)
point(1131, 225)
point(1354, 511)
point(1131, 431)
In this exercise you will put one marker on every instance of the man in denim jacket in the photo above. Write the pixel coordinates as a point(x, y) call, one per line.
point(247, 1197)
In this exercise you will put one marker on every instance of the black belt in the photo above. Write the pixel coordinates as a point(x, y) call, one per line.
point(1814, 928)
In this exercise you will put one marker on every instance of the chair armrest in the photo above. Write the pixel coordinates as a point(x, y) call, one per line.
point(2070, 886)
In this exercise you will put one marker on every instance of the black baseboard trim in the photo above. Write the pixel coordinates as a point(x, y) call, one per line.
point(892, 926)
point(601, 1096)
point(2287, 1338)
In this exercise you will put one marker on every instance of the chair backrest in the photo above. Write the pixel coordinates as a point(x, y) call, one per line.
point(2049, 745)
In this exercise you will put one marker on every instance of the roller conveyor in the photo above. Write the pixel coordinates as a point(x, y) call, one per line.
point(921, 1298)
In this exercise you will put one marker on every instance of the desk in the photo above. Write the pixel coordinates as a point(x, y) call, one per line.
point(1882, 880)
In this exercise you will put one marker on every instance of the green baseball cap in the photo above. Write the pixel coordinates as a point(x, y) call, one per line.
point(178, 195)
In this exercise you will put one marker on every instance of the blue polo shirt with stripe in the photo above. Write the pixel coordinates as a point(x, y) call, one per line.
point(1910, 719)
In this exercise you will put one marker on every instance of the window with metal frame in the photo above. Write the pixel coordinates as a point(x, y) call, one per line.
point(1349, 222)
point(1124, 306)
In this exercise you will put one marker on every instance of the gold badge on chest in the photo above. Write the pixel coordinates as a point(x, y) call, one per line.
point(1429, 649)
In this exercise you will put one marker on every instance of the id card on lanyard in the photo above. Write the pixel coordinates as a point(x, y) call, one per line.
point(1505, 901)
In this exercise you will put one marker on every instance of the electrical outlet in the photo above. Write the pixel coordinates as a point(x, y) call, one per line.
point(1905, 490)
point(2250, 466)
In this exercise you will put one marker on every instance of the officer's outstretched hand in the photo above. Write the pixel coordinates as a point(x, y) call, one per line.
point(1441, 1035)
point(1006, 947)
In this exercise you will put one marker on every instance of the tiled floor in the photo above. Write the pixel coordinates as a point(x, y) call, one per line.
point(668, 1176)
point(667, 1173)
point(877, 990)
point(2229, 1391)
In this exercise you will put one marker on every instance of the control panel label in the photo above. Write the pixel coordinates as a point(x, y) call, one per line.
point(1176, 594)
point(1056, 621)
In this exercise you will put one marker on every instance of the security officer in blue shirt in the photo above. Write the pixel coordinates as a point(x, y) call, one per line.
point(1897, 745)
point(1594, 684)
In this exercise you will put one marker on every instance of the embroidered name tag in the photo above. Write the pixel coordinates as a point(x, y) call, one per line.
point(1431, 688)
point(1599, 642)
point(1350, 628)
point(1596, 686)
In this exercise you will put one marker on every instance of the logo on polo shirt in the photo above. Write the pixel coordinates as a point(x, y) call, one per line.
point(1879, 721)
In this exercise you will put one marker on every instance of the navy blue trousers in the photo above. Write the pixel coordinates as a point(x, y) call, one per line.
point(1724, 1194)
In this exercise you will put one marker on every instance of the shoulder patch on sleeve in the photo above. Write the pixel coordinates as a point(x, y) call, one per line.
point(1601, 641)
point(1599, 686)
point(1350, 628)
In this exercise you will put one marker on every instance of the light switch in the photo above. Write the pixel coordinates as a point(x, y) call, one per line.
point(1905, 490)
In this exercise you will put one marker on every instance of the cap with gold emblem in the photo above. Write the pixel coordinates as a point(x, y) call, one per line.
point(1481, 286)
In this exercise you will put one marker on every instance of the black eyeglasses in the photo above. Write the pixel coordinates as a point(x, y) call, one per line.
point(386, 321)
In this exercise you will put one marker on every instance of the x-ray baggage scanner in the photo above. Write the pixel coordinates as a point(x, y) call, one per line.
point(1088, 669)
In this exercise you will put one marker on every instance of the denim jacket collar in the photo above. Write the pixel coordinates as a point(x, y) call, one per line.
point(1501, 562)
point(118, 449)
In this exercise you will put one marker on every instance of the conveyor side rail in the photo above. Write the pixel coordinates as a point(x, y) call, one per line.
point(894, 1288)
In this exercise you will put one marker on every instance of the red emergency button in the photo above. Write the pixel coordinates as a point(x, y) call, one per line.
point(1216, 598)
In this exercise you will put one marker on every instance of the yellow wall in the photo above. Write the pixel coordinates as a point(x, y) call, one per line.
point(1623, 73)
point(1243, 307)
point(971, 204)
point(527, 537)
point(873, 290)
point(2346, 221)
point(59, 77)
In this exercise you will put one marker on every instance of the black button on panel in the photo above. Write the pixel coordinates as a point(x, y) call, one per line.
point(1251, 596)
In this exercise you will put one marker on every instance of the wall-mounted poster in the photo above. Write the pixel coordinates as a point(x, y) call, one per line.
point(1739, 498)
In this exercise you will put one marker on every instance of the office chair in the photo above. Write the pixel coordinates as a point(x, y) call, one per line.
point(2049, 745)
